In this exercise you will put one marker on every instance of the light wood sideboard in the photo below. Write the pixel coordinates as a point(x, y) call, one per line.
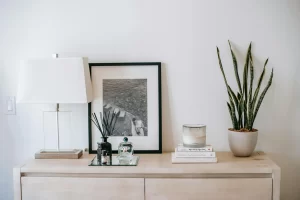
point(155, 178)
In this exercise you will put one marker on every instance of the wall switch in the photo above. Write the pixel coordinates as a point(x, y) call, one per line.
point(10, 105)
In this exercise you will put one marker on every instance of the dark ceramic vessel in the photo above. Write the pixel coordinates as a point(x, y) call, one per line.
point(104, 152)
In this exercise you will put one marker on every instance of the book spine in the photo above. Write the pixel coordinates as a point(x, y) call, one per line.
point(195, 154)
point(193, 160)
point(184, 149)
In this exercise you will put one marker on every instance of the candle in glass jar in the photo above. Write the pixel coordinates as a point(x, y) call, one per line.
point(194, 135)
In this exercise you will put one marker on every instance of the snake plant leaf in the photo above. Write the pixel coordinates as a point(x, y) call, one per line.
point(245, 74)
point(258, 85)
point(250, 113)
point(245, 84)
point(239, 111)
point(235, 67)
point(239, 119)
point(245, 114)
point(235, 99)
point(233, 115)
point(238, 95)
point(241, 108)
point(229, 108)
point(251, 77)
point(222, 70)
point(230, 113)
point(262, 97)
point(242, 105)
point(221, 67)
point(230, 92)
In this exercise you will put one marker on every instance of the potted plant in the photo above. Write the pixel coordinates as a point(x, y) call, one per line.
point(106, 126)
point(243, 105)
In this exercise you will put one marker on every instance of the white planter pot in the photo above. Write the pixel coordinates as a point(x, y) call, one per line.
point(242, 144)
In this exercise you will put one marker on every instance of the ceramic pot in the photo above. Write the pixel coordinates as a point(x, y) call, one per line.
point(242, 144)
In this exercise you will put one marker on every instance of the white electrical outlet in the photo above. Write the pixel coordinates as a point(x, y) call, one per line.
point(10, 105)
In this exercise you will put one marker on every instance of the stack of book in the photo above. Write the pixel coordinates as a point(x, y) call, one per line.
point(194, 155)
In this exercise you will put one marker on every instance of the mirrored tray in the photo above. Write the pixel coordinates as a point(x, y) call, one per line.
point(115, 162)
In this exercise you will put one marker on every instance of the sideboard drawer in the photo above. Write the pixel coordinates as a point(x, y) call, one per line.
point(209, 189)
point(68, 188)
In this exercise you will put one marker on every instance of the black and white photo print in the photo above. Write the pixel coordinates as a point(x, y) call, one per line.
point(128, 97)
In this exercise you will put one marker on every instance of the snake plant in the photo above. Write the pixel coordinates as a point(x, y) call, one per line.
point(243, 105)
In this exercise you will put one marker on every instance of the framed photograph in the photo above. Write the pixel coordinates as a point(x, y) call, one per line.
point(134, 91)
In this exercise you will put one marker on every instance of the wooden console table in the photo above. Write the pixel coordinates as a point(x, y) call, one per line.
point(155, 178)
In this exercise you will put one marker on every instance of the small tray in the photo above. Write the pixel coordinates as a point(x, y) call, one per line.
point(115, 162)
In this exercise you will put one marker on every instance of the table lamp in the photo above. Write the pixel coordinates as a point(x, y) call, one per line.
point(55, 81)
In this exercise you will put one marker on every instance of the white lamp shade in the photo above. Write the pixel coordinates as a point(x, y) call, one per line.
point(58, 80)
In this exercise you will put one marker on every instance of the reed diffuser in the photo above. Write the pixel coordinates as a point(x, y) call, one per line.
point(106, 126)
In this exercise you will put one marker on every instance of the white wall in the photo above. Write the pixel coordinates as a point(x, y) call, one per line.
point(180, 34)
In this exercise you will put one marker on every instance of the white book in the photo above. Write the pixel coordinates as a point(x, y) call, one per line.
point(203, 149)
point(179, 154)
point(176, 160)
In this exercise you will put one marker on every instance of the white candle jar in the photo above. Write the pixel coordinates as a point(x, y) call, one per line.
point(194, 135)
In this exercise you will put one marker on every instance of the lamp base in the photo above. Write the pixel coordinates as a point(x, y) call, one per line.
point(58, 154)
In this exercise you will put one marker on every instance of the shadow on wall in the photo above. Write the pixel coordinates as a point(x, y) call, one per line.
point(168, 137)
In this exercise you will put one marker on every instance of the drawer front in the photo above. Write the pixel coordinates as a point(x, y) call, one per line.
point(64, 188)
point(209, 189)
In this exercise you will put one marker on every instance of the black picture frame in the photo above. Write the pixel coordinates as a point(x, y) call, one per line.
point(158, 64)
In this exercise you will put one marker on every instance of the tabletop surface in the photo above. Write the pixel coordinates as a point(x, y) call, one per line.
point(258, 163)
